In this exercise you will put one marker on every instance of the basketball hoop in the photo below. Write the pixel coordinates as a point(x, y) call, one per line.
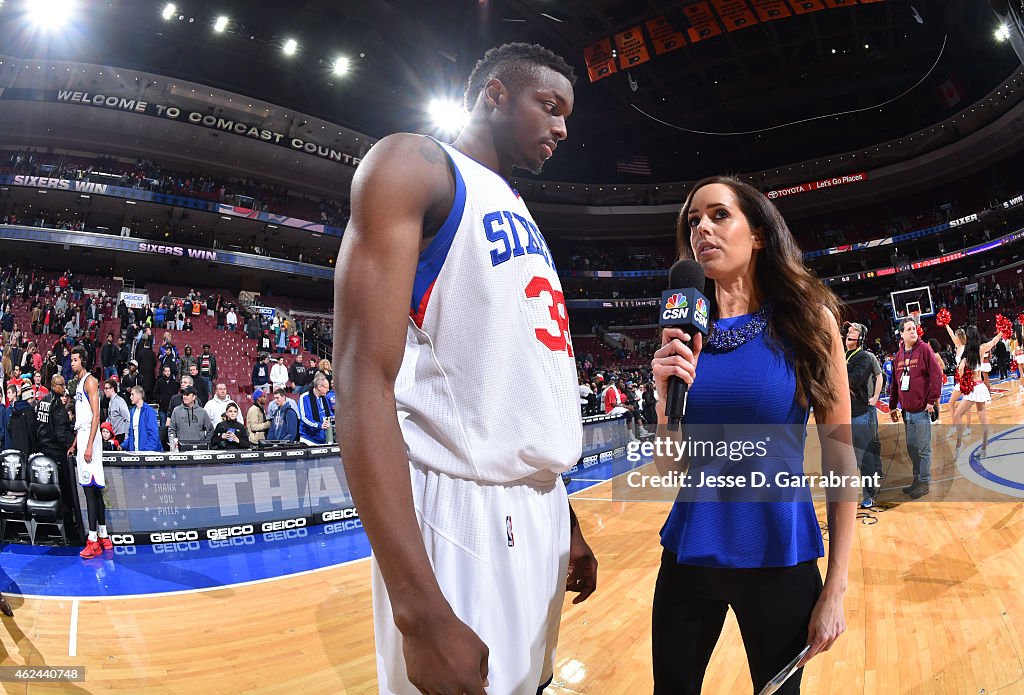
point(916, 315)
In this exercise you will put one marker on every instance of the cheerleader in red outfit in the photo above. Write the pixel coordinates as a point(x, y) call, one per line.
point(973, 387)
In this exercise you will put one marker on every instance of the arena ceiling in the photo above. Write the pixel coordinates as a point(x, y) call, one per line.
point(772, 93)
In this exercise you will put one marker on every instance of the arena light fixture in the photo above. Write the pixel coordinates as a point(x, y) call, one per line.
point(341, 65)
point(1003, 32)
point(48, 15)
point(221, 24)
point(170, 9)
point(447, 114)
point(290, 46)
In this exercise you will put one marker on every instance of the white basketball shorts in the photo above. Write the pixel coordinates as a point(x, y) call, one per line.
point(500, 554)
point(89, 473)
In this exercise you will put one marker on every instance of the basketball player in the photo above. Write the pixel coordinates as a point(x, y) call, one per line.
point(450, 318)
point(90, 453)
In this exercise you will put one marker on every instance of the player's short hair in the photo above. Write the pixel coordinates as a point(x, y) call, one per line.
point(83, 356)
point(512, 63)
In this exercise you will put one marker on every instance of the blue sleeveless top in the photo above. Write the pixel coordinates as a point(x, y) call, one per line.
point(745, 395)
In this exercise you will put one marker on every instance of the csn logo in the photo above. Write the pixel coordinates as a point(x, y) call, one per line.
point(701, 308)
point(676, 307)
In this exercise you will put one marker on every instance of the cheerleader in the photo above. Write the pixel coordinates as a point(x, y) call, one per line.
point(1018, 357)
point(972, 386)
point(959, 338)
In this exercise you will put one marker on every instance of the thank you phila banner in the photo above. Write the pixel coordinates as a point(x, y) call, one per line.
point(174, 112)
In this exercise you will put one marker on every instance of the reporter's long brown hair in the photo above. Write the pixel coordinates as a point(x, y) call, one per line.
point(796, 295)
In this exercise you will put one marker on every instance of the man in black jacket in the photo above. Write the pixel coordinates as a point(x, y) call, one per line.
point(55, 436)
point(109, 356)
point(166, 386)
point(299, 375)
point(22, 427)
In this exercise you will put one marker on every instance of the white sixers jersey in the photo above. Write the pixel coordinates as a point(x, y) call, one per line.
point(488, 389)
point(83, 409)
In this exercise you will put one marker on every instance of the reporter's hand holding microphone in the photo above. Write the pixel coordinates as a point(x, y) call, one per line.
point(684, 320)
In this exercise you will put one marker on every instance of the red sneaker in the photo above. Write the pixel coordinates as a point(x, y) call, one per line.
point(105, 542)
point(91, 550)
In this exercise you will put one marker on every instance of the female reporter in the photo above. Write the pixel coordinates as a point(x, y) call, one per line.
point(774, 351)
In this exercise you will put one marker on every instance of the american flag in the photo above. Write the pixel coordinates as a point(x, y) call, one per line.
point(638, 164)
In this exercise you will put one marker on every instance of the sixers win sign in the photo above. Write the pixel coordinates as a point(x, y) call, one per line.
point(684, 308)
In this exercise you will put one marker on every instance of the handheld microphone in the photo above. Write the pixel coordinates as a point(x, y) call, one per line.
point(685, 308)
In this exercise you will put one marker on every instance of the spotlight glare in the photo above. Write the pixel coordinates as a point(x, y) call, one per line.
point(448, 115)
point(341, 65)
point(169, 11)
point(221, 24)
point(290, 46)
point(48, 15)
point(1003, 32)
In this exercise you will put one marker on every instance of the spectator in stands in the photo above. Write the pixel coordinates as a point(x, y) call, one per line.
point(146, 358)
point(324, 367)
point(585, 395)
point(186, 381)
point(117, 409)
point(6, 409)
point(278, 373)
point(261, 372)
point(256, 421)
point(169, 356)
point(22, 427)
point(108, 357)
point(208, 367)
point(110, 442)
point(285, 419)
point(215, 406)
point(294, 343)
point(230, 433)
point(282, 341)
point(265, 344)
point(143, 430)
point(299, 375)
point(165, 389)
point(617, 403)
point(124, 355)
point(187, 360)
point(232, 320)
point(38, 390)
point(130, 377)
point(199, 384)
point(189, 424)
point(315, 412)
point(187, 325)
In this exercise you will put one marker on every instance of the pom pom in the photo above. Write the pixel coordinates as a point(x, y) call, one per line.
point(943, 317)
point(966, 382)
point(1004, 326)
point(920, 331)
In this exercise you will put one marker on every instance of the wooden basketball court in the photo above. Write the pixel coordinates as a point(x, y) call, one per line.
point(934, 606)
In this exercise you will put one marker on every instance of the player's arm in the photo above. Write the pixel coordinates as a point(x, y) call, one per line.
point(827, 619)
point(397, 186)
point(93, 392)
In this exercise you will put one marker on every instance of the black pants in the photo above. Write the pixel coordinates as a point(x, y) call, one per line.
point(772, 606)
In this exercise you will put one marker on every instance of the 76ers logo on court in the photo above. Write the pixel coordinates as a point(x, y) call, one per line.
point(556, 338)
point(508, 532)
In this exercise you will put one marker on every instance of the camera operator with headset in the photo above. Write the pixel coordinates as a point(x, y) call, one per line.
point(865, 377)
